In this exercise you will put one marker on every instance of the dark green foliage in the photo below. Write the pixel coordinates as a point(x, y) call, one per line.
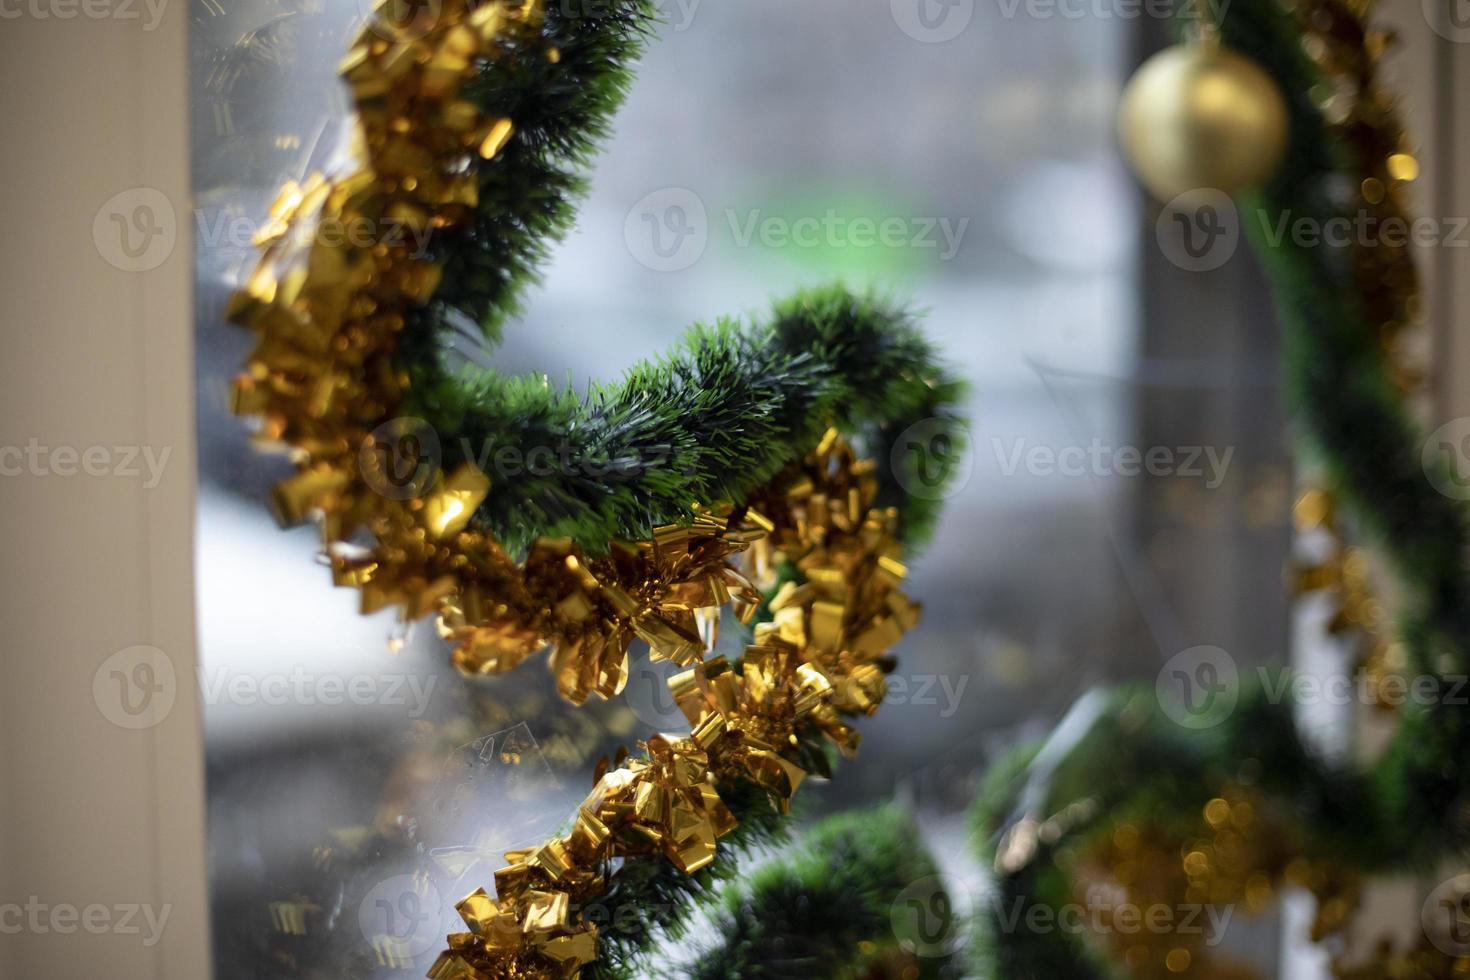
point(884, 378)
point(1353, 418)
point(711, 421)
point(647, 898)
point(804, 917)
point(1024, 954)
point(528, 193)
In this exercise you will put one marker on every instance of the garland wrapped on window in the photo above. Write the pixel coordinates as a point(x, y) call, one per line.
point(471, 128)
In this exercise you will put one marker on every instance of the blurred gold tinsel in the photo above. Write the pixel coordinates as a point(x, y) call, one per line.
point(1238, 855)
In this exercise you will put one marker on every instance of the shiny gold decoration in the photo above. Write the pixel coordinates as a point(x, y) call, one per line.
point(1237, 857)
point(1344, 574)
point(322, 380)
point(814, 663)
point(328, 309)
point(1200, 116)
point(1348, 54)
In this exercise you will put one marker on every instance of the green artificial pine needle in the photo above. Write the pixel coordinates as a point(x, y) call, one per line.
point(710, 421)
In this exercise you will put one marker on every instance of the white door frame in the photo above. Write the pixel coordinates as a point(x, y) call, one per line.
point(101, 823)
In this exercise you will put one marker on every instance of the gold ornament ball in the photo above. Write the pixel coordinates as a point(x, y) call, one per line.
point(1198, 115)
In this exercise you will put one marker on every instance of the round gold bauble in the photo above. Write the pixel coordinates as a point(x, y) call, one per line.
point(1198, 115)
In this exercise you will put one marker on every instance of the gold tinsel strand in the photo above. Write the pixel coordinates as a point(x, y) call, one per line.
point(1347, 52)
point(1237, 856)
point(815, 662)
point(328, 310)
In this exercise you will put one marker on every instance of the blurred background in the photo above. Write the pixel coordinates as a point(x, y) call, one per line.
point(344, 755)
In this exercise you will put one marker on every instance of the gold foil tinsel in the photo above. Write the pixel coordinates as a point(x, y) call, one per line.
point(328, 310)
point(1348, 53)
point(1190, 880)
point(817, 661)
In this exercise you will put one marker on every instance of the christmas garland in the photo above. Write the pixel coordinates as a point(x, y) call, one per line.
point(1126, 799)
point(471, 129)
point(828, 909)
